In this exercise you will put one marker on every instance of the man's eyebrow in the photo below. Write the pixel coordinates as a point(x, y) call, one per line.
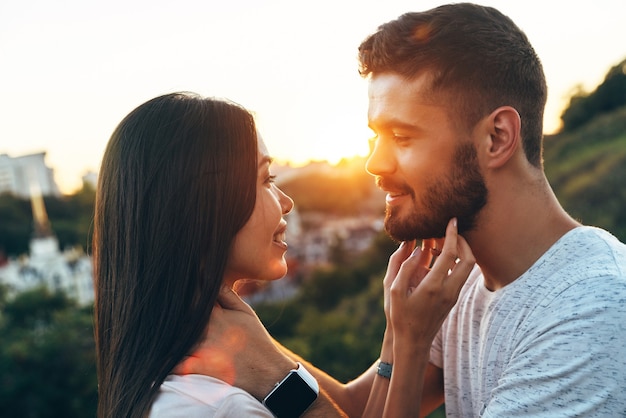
point(390, 123)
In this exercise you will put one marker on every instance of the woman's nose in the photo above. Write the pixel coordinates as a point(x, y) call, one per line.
point(286, 203)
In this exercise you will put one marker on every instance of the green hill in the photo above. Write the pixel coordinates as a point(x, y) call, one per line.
point(586, 165)
point(587, 169)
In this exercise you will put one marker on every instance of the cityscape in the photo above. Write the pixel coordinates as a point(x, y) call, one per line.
point(70, 269)
point(48, 354)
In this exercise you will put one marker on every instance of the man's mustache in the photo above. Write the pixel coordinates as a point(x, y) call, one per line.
point(390, 185)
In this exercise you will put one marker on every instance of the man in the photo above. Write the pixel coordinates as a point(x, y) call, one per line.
point(456, 99)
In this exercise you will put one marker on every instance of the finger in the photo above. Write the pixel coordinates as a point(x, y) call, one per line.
point(456, 258)
point(395, 261)
point(449, 253)
point(402, 253)
point(465, 265)
point(464, 250)
point(411, 272)
point(428, 252)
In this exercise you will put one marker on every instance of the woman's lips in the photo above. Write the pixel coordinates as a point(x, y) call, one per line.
point(279, 237)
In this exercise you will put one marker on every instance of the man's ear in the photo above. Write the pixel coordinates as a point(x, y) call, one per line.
point(504, 125)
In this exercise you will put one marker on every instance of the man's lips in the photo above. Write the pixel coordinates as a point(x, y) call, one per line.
point(395, 197)
point(395, 192)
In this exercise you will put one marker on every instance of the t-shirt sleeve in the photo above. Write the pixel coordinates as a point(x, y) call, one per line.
point(572, 365)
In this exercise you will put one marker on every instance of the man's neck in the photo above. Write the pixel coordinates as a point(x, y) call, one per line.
point(515, 230)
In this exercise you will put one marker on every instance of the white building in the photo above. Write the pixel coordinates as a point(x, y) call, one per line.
point(18, 174)
point(45, 265)
point(69, 271)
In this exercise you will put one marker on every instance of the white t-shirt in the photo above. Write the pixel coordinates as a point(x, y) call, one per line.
point(197, 396)
point(550, 344)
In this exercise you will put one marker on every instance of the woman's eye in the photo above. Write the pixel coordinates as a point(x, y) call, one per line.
point(270, 179)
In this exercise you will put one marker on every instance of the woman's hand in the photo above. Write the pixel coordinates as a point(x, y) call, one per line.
point(421, 297)
point(428, 252)
point(238, 349)
point(393, 267)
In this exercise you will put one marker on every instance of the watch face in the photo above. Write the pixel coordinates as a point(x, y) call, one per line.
point(291, 398)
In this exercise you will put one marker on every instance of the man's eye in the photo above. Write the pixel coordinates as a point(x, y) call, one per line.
point(400, 138)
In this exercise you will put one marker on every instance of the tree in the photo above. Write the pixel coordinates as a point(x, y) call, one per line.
point(16, 225)
point(47, 357)
point(71, 219)
point(608, 96)
point(336, 320)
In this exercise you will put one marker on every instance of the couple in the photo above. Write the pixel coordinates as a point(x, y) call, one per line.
point(186, 206)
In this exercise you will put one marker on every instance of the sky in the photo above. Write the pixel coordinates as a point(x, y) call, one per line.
point(70, 70)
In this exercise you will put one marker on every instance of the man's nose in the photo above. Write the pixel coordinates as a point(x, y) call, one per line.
point(380, 161)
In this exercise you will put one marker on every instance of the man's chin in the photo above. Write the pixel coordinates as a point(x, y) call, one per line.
point(410, 226)
point(405, 232)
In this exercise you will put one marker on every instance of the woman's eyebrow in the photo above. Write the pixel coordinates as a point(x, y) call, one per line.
point(266, 159)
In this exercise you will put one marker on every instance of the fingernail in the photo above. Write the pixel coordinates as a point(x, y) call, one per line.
point(416, 251)
point(454, 222)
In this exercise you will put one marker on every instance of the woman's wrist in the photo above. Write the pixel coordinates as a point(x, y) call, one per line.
point(386, 351)
point(408, 350)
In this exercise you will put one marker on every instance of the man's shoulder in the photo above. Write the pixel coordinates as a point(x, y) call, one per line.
point(584, 259)
point(593, 233)
point(587, 266)
point(588, 251)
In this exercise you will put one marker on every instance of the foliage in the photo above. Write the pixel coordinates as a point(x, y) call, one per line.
point(336, 320)
point(609, 95)
point(47, 357)
point(344, 190)
point(15, 224)
point(587, 168)
point(70, 217)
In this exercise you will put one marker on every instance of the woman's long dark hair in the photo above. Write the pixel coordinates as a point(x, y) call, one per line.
point(178, 180)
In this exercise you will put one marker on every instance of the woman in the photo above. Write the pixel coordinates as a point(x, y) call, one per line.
point(185, 205)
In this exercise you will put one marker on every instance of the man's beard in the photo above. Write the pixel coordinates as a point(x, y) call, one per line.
point(462, 194)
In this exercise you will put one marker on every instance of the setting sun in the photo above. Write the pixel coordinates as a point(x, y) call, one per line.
point(299, 76)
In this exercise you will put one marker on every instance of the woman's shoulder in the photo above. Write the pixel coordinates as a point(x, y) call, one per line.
point(193, 395)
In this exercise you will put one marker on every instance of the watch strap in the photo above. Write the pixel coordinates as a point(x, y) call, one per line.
point(384, 369)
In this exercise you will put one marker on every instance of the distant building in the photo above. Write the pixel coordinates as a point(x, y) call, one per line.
point(45, 265)
point(69, 271)
point(19, 175)
point(312, 246)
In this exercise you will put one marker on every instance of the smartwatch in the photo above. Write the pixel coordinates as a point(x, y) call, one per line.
point(292, 395)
